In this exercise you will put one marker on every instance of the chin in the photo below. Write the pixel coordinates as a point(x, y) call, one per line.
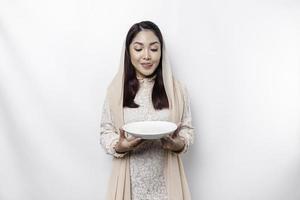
point(147, 73)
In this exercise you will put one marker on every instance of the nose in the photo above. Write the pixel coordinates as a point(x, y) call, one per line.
point(146, 55)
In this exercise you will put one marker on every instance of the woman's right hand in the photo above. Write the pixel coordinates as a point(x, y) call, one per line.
point(124, 144)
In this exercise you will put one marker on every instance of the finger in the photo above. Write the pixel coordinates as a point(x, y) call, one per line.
point(179, 124)
point(163, 140)
point(122, 133)
point(165, 144)
point(135, 142)
point(175, 134)
point(131, 138)
point(169, 139)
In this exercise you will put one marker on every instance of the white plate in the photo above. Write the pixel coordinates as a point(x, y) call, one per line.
point(150, 129)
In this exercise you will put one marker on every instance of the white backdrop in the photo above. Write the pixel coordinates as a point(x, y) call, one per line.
point(240, 61)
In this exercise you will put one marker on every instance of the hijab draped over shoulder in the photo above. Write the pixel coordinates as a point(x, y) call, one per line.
point(119, 182)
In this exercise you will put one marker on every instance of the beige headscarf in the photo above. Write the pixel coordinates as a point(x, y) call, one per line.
point(119, 183)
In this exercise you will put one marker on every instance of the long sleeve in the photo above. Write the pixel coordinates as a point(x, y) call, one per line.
point(187, 130)
point(108, 133)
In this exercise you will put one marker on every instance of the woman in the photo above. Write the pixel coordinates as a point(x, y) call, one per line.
point(144, 89)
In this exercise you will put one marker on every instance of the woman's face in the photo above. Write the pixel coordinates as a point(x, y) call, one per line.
point(145, 53)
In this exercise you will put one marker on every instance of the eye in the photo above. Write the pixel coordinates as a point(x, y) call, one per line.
point(154, 50)
point(138, 49)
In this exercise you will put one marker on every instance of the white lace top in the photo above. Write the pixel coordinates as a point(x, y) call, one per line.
point(148, 160)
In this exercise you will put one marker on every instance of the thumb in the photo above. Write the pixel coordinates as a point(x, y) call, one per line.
point(122, 133)
point(175, 134)
point(179, 124)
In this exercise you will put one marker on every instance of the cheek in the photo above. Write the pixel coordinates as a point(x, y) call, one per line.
point(134, 57)
point(156, 63)
point(156, 58)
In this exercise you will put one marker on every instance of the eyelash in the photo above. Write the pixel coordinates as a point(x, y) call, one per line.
point(154, 50)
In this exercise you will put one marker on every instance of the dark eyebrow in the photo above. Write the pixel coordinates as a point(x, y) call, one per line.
point(143, 44)
point(154, 43)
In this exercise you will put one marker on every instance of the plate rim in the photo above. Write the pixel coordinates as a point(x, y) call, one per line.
point(158, 133)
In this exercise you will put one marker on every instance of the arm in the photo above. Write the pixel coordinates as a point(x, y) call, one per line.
point(109, 136)
point(183, 136)
point(186, 133)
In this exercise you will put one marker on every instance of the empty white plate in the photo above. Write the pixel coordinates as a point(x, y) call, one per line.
point(150, 129)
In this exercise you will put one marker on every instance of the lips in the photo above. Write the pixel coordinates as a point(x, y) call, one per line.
point(147, 65)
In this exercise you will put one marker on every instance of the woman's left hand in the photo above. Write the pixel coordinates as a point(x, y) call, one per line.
point(174, 142)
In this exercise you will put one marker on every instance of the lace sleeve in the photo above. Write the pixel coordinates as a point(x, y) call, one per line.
point(108, 133)
point(187, 130)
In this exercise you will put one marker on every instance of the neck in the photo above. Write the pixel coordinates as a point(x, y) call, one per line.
point(146, 78)
point(140, 76)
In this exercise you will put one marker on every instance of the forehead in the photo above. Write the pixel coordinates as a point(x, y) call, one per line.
point(145, 37)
